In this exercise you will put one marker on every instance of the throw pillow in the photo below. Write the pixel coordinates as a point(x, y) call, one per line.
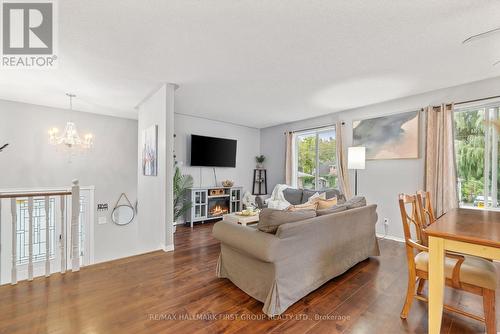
point(333, 209)
point(271, 219)
point(326, 203)
point(355, 202)
point(300, 207)
point(331, 193)
point(316, 197)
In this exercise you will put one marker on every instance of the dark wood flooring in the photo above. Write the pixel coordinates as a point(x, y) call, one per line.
point(178, 292)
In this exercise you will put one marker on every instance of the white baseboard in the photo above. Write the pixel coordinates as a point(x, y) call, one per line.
point(390, 237)
point(169, 248)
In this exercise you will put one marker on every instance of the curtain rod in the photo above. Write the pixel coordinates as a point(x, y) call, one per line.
point(314, 128)
point(343, 123)
point(470, 101)
point(477, 100)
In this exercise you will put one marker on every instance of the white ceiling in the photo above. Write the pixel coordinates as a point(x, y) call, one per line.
point(260, 62)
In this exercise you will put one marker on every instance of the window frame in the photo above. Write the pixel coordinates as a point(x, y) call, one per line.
point(489, 146)
point(295, 148)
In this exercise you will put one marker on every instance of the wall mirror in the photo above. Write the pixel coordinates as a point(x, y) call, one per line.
point(123, 214)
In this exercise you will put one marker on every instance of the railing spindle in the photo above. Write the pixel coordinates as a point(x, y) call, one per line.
point(13, 211)
point(63, 236)
point(75, 225)
point(47, 237)
point(30, 239)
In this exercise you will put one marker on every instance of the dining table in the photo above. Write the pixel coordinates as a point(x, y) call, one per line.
point(468, 231)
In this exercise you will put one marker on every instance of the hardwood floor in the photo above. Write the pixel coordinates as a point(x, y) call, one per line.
point(150, 293)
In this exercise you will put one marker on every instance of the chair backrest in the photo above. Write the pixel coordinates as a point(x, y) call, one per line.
point(411, 220)
point(426, 213)
point(424, 199)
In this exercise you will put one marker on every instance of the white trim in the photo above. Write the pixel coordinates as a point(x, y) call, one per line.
point(92, 225)
point(390, 237)
point(168, 248)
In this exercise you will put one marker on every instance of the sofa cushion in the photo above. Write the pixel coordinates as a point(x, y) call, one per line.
point(306, 194)
point(355, 202)
point(333, 209)
point(293, 196)
point(330, 193)
point(326, 203)
point(271, 219)
point(305, 206)
point(316, 197)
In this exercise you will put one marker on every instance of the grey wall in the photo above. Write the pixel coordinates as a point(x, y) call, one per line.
point(31, 162)
point(247, 148)
point(382, 180)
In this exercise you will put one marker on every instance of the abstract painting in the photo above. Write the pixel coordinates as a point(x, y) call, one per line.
point(389, 137)
point(150, 151)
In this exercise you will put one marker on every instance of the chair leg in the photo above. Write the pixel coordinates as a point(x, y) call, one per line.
point(410, 292)
point(489, 311)
point(421, 284)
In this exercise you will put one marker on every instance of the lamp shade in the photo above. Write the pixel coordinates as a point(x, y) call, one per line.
point(356, 157)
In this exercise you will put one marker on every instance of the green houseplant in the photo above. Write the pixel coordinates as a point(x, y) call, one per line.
point(181, 185)
point(260, 160)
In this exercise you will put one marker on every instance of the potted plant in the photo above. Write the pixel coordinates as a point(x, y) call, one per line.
point(181, 185)
point(260, 160)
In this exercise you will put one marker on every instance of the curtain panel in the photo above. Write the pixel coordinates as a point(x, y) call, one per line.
point(440, 166)
point(341, 157)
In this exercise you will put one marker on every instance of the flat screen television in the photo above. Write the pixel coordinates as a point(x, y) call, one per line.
point(213, 152)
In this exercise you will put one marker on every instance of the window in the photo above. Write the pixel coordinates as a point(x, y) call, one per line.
point(476, 149)
point(315, 155)
point(39, 227)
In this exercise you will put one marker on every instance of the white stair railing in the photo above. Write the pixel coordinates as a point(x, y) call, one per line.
point(74, 229)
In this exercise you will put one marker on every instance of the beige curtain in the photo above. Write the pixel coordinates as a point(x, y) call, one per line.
point(342, 172)
point(440, 168)
point(289, 158)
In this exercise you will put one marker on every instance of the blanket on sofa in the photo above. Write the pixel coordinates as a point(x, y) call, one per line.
point(277, 199)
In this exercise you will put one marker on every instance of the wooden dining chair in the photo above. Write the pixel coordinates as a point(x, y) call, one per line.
point(462, 272)
point(425, 203)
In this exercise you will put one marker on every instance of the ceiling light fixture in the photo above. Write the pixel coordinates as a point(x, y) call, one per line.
point(481, 35)
point(70, 140)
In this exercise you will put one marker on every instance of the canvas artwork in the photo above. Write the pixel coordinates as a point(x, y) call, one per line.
point(150, 151)
point(389, 137)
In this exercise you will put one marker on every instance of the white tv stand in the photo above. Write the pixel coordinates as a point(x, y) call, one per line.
point(209, 203)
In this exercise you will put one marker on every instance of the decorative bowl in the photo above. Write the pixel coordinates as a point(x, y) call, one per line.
point(227, 183)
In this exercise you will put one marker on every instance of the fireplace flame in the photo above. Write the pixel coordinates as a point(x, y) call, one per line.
point(218, 211)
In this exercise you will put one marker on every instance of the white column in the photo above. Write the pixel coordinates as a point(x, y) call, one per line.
point(47, 237)
point(13, 210)
point(62, 238)
point(169, 175)
point(30, 239)
point(75, 226)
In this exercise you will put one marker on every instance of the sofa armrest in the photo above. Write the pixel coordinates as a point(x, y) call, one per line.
point(253, 242)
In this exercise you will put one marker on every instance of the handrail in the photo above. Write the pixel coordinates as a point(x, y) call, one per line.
point(17, 195)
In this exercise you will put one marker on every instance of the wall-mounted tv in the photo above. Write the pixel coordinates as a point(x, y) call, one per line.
point(213, 152)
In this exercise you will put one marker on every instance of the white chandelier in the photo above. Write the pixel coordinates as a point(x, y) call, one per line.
point(70, 139)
